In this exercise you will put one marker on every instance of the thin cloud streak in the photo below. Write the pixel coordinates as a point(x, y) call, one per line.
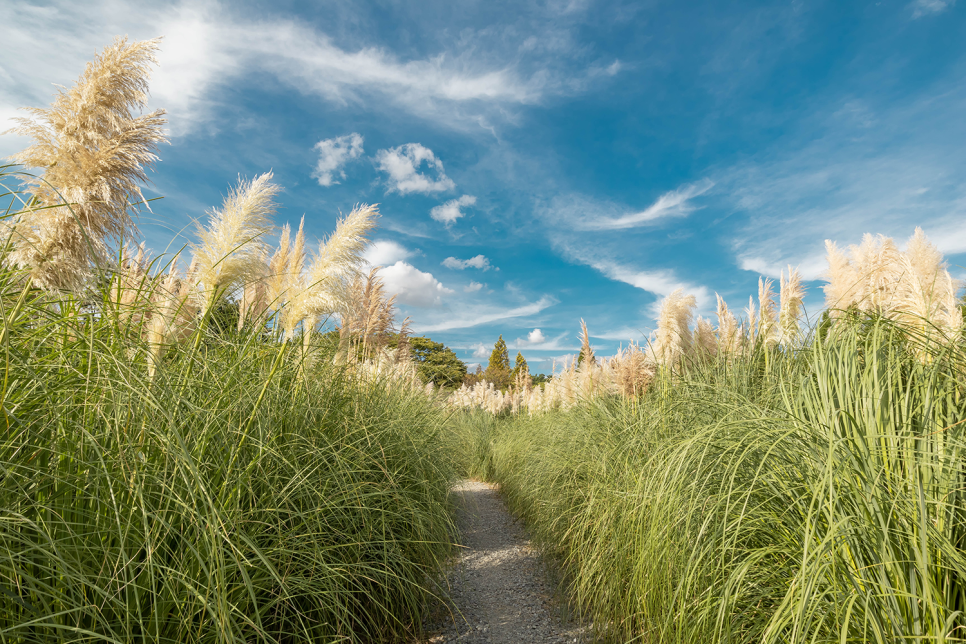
point(476, 318)
point(670, 204)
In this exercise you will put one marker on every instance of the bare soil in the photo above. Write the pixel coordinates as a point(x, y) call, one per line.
point(499, 589)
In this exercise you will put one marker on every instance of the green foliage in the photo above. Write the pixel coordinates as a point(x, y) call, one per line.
point(498, 369)
point(223, 317)
point(472, 378)
point(436, 363)
point(819, 496)
point(245, 493)
point(519, 367)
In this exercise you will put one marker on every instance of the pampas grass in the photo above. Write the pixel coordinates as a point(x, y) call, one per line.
point(231, 249)
point(673, 335)
point(790, 307)
point(324, 288)
point(94, 153)
point(876, 278)
point(767, 313)
point(728, 332)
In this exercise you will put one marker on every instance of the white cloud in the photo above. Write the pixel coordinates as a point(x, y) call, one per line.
point(472, 287)
point(922, 8)
point(210, 44)
point(662, 282)
point(334, 154)
point(450, 211)
point(412, 286)
point(402, 164)
point(589, 214)
point(811, 268)
point(385, 253)
point(480, 351)
point(536, 341)
point(903, 173)
point(479, 262)
point(475, 316)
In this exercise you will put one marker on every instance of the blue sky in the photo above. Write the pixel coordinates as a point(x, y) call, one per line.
point(541, 162)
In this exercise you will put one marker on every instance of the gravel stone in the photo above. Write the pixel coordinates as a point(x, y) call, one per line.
point(498, 590)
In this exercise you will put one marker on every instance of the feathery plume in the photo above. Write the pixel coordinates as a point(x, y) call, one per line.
point(842, 280)
point(632, 371)
point(790, 307)
point(705, 343)
point(586, 352)
point(728, 332)
point(751, 312)
point(767, 315)
point(877, 261)
point(673, 336)
point(94, 153)
point(368, 315)
point(925, 296)
point(325, 286)
point(231, 249)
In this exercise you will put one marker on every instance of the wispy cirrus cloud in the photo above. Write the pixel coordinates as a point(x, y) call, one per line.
point(210, 45)
point(922, 8)
point(659, 282)
point(585, 213)
point(470, 316)
point(849, 180)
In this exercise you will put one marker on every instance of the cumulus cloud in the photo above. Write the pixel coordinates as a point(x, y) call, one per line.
point(536, 336)
point(472, 287)
point(412, 286)
point(385, 253)
point(403, 163)
point(334, 154)
point(480, 351)
point(450, 211)
point(479, 262)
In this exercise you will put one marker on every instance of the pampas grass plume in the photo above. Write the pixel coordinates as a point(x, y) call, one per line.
point(94, 153)
point(790, 306)
point(231, 249)
point(673, 336)
point(337, 262)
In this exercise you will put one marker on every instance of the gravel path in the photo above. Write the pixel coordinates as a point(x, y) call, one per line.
point(499, 590)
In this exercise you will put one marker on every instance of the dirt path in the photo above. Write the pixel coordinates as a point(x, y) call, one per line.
point(499, 588)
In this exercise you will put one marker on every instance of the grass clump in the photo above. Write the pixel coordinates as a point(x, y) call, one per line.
point(786, 496)
point(231, 497)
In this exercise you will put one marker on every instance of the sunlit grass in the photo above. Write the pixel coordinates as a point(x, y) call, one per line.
point(810, 496)
point(247, 490)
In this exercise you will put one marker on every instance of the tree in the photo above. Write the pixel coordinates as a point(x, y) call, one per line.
point(498, 369)
point(436, 363)
point(472, 378)
point(519, 367)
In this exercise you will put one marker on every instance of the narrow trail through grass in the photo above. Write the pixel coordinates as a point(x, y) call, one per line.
point(499, 588)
